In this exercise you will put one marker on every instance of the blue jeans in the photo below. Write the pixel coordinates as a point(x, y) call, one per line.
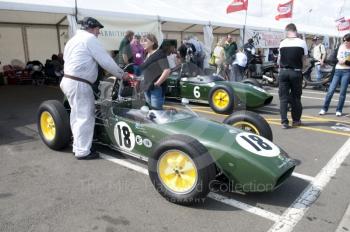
point(318, 72)
point(155, 97)
point(137, 70)
point(342, 76)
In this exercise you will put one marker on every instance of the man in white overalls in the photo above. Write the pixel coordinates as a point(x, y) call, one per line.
point(82, 54)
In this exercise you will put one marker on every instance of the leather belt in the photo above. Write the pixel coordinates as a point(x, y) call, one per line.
point(78, 79)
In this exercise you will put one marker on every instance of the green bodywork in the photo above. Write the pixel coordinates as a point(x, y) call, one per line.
point(126, 128)
point(197, 89)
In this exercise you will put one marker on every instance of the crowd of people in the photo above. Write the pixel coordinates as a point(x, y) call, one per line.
point(84, 53)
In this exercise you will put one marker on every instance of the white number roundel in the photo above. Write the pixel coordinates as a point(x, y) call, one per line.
point(257, 144)
point(124, 136)
point(196, 92)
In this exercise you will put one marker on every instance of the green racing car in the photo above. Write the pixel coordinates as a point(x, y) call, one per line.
point(223, 96)
point(185, 153)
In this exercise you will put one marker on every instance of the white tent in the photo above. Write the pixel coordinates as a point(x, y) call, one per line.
point(39, 27)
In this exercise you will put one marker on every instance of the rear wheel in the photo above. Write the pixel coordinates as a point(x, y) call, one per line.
point(221, 99)
point(53, 124)
point(181, 170)
point(251, 122)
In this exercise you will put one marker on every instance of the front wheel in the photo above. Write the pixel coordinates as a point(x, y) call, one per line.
point(221, 99)
point(251, 122)
point(181, 170)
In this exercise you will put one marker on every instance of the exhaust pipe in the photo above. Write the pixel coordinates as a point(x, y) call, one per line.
point(269, 79)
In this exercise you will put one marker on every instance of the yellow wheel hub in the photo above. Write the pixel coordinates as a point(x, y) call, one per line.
point(247, 127)
point(221, 98)
point(177, 172)
point(47, 125)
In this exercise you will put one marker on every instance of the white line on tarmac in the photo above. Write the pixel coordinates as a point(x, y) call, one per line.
point(215, 196)
point(310, 92)
point(316, 98)
point(304, 177)
point(296, 211)
point(245, 207)
point(125, 164)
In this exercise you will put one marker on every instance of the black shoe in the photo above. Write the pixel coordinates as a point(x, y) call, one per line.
point(92, 155)
point(296, 123)
point(285, 126)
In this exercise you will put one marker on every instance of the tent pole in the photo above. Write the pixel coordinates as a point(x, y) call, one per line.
point(58, 38)
point(76, 10)
point(58, 33)
point(25, 44)
point(245, 22)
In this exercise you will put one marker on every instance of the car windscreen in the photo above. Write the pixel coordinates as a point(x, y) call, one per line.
point(169, 115)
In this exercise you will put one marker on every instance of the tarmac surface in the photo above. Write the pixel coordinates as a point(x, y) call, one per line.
point(46, 190)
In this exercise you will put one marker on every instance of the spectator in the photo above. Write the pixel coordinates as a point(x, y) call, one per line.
point(60, 58)
point(319, 54)
point(341, 75)
point(155, 70)
point(82, 54)
point(230, 49)
point(292, 52)
point(219, 55)
point(57, 66)
point(238, 66)
point(186, 52)
point(249, 49)
point(125, 53)
point(137, 53)
point(199, 53)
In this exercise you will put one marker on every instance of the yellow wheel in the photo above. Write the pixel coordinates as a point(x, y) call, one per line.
point(177, 171)
point(181, 169)
point(47, 125)
point(221, 99)
point(247, 127)
point(53, 124)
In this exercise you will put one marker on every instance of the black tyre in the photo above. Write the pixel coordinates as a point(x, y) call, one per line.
point(221, 99)
point(251, 122)
point(181, 170)
point(252, 82)
point(53, 124)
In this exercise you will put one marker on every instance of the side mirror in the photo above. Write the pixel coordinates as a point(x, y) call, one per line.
point(185, 101)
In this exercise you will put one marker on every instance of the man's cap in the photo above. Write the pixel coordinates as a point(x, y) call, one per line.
point(90, 22)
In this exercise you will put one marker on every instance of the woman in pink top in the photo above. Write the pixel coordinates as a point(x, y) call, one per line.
point(138, 54)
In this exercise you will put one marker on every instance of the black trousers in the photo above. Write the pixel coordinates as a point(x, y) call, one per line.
point(290, 90)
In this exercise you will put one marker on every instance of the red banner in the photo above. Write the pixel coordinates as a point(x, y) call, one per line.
point(284, 10)
point(343, 24)
point(237, 5)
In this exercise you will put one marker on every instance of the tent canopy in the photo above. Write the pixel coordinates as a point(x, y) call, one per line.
point(312, 16)
point(35, 11)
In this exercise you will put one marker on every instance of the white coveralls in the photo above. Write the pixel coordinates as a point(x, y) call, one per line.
point(81, 55)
